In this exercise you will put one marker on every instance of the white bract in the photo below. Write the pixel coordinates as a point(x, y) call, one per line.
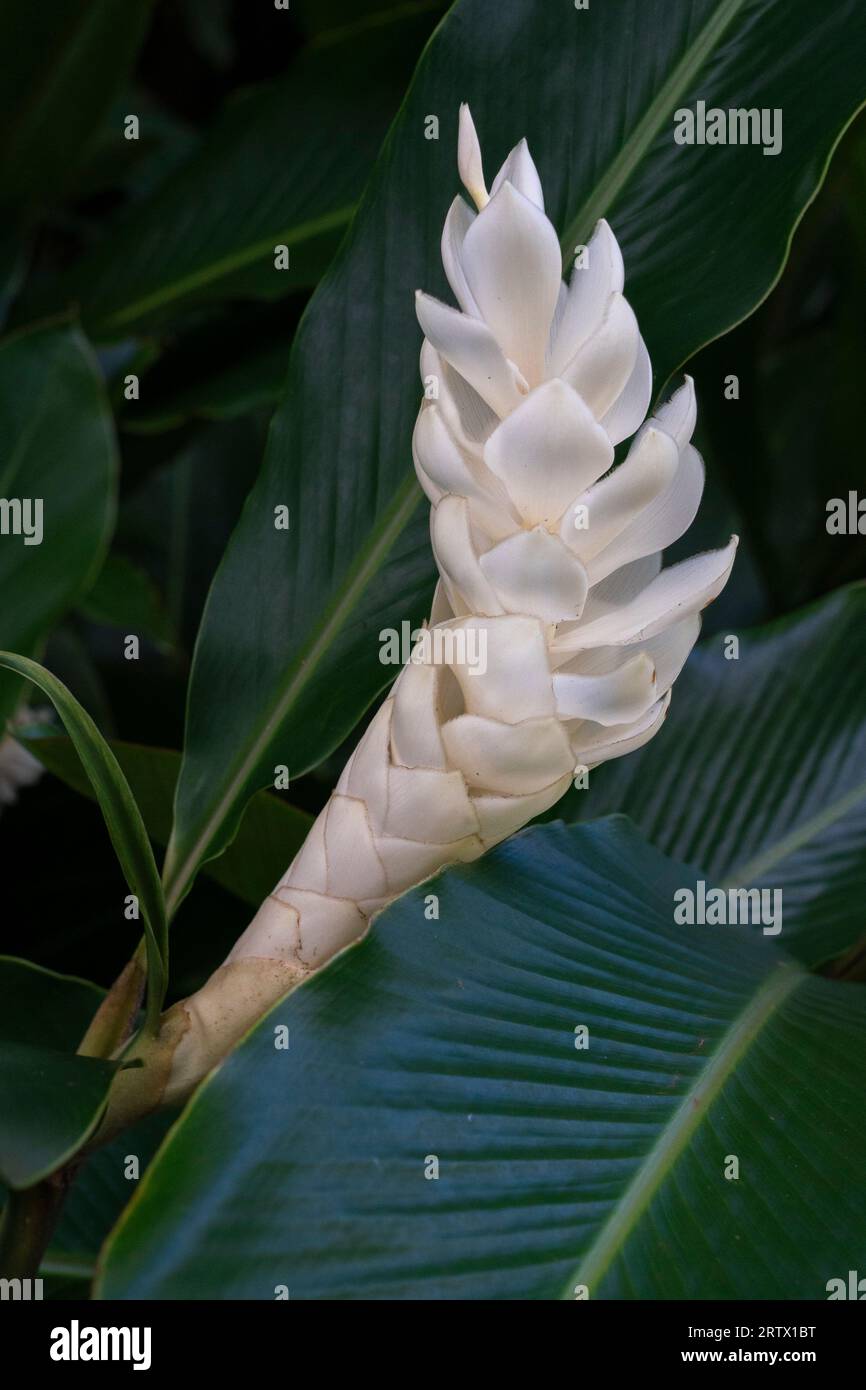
point(542, 545)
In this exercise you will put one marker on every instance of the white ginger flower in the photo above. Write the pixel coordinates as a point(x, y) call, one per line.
point(542, 547)
point(532, 531)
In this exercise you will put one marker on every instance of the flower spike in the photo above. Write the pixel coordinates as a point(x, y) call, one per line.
point(555, 637)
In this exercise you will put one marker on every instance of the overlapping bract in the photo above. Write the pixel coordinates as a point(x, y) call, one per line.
point(544, 549)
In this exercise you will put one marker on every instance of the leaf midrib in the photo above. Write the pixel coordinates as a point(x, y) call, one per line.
point(801, 835)
point(289, 236)
point(620, 170)
point(227, 265)
point(685, 1121)
point(302, 670)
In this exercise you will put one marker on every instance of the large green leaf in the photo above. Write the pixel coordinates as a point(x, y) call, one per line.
point(101, 1190)
point(284, 165)
point(58, 448)
point(50, 1098)
point(759, 775)
point(63, 65)
point(271, 834)
point(42, 1008)
point(122, 819)
point(288, 653)
point(456, 1039)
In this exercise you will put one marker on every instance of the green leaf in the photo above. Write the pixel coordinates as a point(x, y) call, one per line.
point(254, 381)
point(50, 1099)
point(58, 449)
point(759, 774)
point(177, 521)
point(210, 30)
point(67, 655)
point(101, 1190)
point(132, 168)
point(122, 818)
point(270, 835)
point(558, 1165)
point(124, 596)
point(287, 658)
point(44, 1009)
point(14, 255)
point(277, 169)
point(328, 19)
point(64, 66)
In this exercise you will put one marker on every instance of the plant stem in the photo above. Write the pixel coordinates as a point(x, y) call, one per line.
point(29, 1219)
point(114, 1020)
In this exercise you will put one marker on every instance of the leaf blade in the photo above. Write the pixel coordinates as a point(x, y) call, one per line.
point(52, 1099)
point(271, 831)
point(261, 189)
point(122, 819)
point(59, 88)
point(61, 456)
point(455, 1039)
point(778, 735)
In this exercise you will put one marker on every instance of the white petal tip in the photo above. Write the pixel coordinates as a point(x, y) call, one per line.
point(469, 162)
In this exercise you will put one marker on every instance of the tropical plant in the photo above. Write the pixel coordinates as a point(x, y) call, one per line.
point(444, 1059)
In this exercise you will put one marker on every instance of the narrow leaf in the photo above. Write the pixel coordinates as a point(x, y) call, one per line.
point(271, 833)
point(122, 817)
